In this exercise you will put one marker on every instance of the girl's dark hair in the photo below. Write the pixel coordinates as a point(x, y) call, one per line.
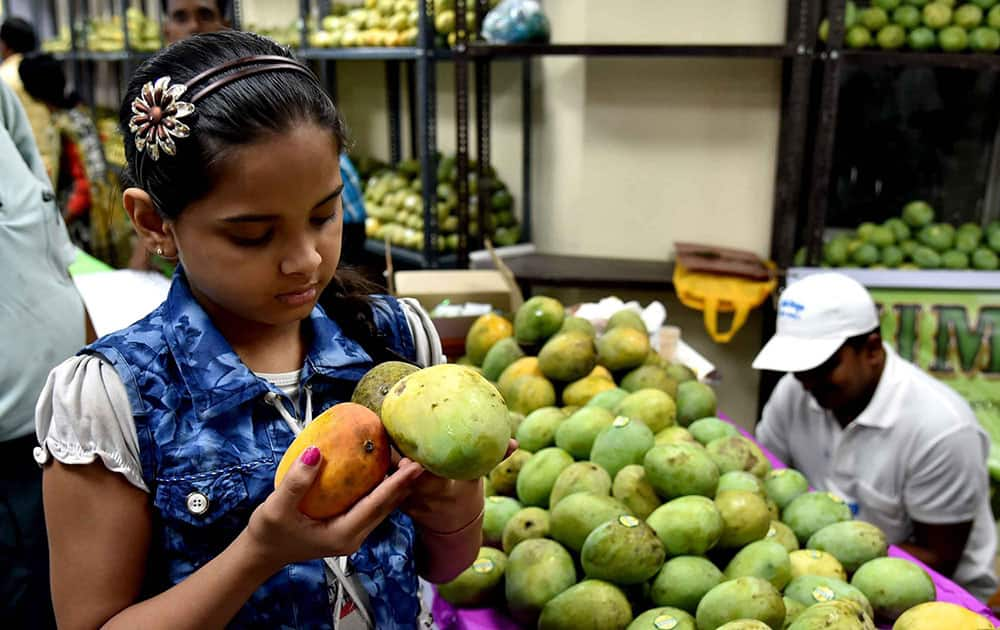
point(236, 115)
point(44, 80)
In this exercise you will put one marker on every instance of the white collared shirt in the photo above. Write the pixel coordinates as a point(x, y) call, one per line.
point(916, 453)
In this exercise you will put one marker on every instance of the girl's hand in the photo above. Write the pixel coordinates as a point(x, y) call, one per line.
point(281, 534)
point(445, 505)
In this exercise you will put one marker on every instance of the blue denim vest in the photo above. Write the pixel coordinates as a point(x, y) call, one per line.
point(204, 428)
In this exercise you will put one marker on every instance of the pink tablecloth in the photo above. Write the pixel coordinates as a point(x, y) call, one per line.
point(450, 618)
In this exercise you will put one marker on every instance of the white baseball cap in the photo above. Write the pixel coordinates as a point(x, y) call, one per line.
point(816, 315)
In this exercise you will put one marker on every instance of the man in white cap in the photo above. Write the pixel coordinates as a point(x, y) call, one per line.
point(903, 449)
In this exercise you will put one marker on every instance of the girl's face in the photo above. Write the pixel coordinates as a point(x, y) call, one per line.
point(264, 243)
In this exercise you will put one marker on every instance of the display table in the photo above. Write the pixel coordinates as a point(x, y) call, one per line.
point(447, 617)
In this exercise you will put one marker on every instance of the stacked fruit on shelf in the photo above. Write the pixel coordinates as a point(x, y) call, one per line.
point(385, 23)
point(61, 43)
point(287, 35)
point(394, 205)
point(104, 34)
point(629, 504)
point(375, 23)
point(920, 25)
point(111, 139)
point(914, 241)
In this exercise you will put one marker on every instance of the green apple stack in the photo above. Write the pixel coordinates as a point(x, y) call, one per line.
point(914, 240)
point(921, 25)
point(385, 23)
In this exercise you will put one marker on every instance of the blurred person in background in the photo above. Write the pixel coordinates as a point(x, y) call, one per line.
point(17, 38)
point(85, 184)
point(184, 18)
point(44, 321)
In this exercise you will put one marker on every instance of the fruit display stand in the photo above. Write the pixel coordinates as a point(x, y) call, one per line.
point(318, 36)
point(947, 590)
point(629, 498)
point(838, 59)
point(122, 33)
point(920, 26)
point(449, 617)
point(418, 49)
point(796, 56)
point(876, 154)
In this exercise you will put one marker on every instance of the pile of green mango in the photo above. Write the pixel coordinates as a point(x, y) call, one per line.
point(921, 25)
point(914, 240)
point(394, 204)
point(630, 505)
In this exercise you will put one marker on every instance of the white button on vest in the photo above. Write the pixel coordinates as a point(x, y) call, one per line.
point(197, 503)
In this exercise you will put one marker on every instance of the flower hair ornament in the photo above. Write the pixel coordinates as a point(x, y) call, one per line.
point(157, 111)
point(156, 117)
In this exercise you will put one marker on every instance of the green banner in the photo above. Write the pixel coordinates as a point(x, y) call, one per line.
point(955, 336)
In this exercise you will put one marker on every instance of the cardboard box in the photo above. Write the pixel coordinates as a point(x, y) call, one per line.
point(432, 287)
point(496, 287)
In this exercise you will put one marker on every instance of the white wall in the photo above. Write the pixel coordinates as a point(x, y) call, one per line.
point(637, 153)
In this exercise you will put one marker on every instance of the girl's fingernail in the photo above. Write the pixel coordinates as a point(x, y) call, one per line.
point(310, 456)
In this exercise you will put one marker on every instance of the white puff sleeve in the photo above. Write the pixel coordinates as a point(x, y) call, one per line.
point(83, 414)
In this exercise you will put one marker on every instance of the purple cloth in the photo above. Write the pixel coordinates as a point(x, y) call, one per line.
point(448, 617)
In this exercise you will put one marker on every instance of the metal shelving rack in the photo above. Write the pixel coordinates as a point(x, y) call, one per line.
point(418, 65)
point(806, 222)
point(418, 62)
point(831, 62)
point(479, 49)
point(82, 62)
point(796, 55)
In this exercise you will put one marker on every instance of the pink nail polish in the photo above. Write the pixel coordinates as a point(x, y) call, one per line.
point(310, 456)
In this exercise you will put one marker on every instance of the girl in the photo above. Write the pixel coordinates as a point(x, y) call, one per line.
point(166, 435)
